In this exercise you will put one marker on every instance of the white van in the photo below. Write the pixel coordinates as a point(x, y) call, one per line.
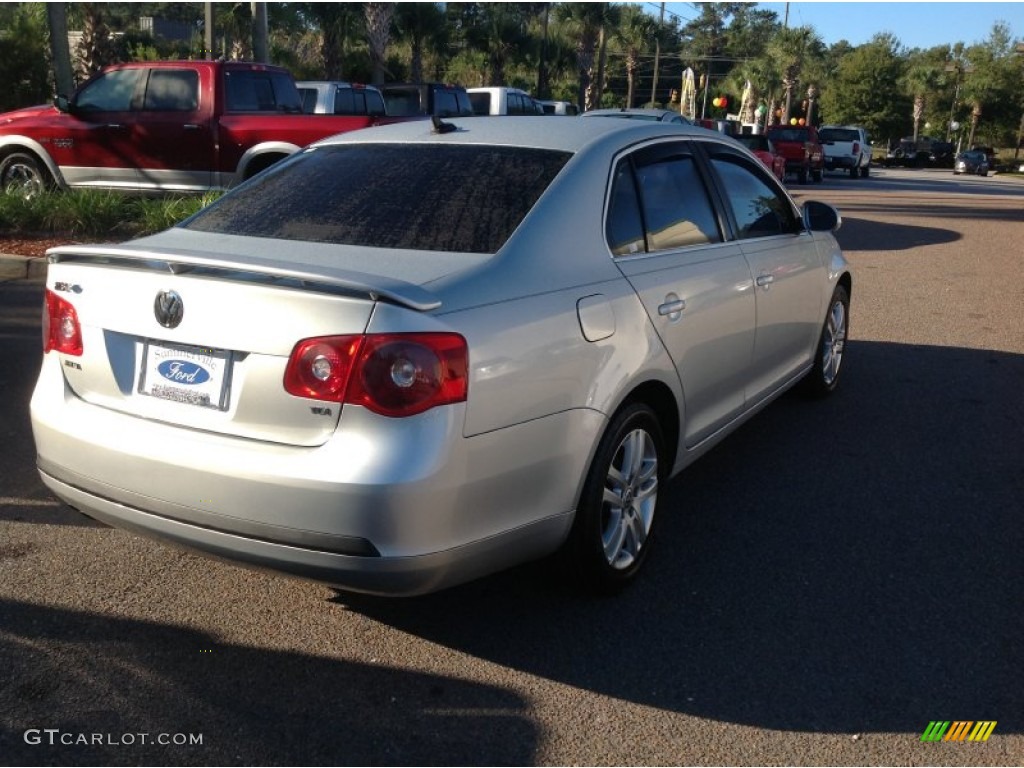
point(558, 107)
point(502, 101)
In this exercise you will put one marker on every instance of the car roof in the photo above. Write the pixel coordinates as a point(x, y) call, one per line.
point(541, 132)
point(638, 111)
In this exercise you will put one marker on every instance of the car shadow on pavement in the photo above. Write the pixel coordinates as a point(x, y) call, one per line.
point(865, 235)
point(849, 565)
point(85, 674)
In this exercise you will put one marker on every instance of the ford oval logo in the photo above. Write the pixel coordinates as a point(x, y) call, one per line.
point(168, 308)
point(183, 372)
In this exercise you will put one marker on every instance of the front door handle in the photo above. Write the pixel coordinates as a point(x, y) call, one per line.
point(763, 280)
point(671, 307)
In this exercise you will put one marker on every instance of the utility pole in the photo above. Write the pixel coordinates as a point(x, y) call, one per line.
point(58, 23)
point(542, 70)
point(208, 31)
point(260, 47)
point(657, 55)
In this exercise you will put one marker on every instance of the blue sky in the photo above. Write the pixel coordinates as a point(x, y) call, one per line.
point(915, 25)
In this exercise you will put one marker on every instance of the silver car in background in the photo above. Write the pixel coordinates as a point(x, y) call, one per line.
point(410, 356)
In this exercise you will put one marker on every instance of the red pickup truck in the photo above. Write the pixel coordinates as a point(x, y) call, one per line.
point(187, 126)
point(802, 149)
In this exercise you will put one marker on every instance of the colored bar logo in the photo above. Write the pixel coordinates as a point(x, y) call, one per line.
point(958, 730)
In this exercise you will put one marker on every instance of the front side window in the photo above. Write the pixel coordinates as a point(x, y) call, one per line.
point(110, 92)
point(429, 197)
point(758, 208)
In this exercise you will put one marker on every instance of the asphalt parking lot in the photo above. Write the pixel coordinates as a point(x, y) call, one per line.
point(828, 581)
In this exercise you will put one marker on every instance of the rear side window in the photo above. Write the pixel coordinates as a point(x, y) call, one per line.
point(430, 197)
point(261, 91)
point(481, 102)
point(172, 90)
point(659, 204)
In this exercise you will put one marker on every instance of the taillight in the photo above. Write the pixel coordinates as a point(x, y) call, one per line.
point(398, 374)
point(856, 148)
point(319, 368)
point(61, 330)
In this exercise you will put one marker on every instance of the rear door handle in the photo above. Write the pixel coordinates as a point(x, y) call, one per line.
point(763, 280)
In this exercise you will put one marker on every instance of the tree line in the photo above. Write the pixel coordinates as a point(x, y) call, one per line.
point(743, 60)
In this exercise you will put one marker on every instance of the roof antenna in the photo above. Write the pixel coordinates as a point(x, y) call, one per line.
point(440, 126)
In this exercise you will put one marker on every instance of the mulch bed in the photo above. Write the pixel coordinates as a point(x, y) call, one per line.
point(34, 246)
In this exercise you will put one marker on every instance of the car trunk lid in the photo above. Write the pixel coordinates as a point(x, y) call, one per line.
point(202, 340)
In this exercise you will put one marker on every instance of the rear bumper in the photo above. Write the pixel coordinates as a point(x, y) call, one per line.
point(391, 576)
point(831, 163)
point(387, 506)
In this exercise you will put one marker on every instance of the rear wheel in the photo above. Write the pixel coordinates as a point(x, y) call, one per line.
point(615, 518)
point(22, 175)
point(816, 175)
point(828, 360)
point(853, 172)
point(865, 171)
point(801, 175)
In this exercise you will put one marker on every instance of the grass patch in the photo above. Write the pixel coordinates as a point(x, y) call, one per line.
point(96, 213)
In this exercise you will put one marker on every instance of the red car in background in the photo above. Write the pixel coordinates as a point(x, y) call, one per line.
point(763, 148)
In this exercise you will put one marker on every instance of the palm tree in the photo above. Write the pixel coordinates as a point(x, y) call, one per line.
point(337, 22)
point(423, 26)
point(499, 34)
point(634, 33)
point(95, 50)
point(584, 22)
point(378, 35)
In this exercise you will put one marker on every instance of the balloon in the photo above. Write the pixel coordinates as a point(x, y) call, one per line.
point(724, 102)
point(792, 121)
point(801, 121)
point(716, 102)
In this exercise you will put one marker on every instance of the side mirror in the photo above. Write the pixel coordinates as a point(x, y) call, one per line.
point(821, 217)
point(62, 103)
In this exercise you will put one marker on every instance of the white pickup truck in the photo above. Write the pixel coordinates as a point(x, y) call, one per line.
point(847, 147)
point(331, 97)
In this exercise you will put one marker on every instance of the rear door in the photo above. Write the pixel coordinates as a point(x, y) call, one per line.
point(172, 132)
point(697, 289)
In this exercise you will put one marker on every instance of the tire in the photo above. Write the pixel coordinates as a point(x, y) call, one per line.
point(853, 172)
point(801, 176)
point(823, 377)
point(816, 176)
point(21, 174)
point(865, 171)
point(616, 515)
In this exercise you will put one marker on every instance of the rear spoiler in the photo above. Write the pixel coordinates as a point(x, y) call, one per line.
point(180, 261)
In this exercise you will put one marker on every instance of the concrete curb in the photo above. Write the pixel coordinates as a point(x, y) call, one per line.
point(15, 267)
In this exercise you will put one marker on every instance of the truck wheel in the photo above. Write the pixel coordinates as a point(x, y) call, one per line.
point(816, 175)
point(865, 171)
point(801, 175)
point(853, 172)
point(21, 174)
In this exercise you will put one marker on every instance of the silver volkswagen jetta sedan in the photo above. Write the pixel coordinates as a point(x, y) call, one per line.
point(407, 357)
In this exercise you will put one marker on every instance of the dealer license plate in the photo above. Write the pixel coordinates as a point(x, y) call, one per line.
point(185, 374)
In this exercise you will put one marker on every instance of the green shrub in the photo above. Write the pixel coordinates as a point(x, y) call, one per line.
point(96, 213)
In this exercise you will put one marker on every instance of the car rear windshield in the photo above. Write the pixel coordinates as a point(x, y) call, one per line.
point(430, 197)
point(838, 134)
point(788, 134)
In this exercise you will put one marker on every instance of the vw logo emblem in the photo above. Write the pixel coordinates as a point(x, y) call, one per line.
point(168, 309)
